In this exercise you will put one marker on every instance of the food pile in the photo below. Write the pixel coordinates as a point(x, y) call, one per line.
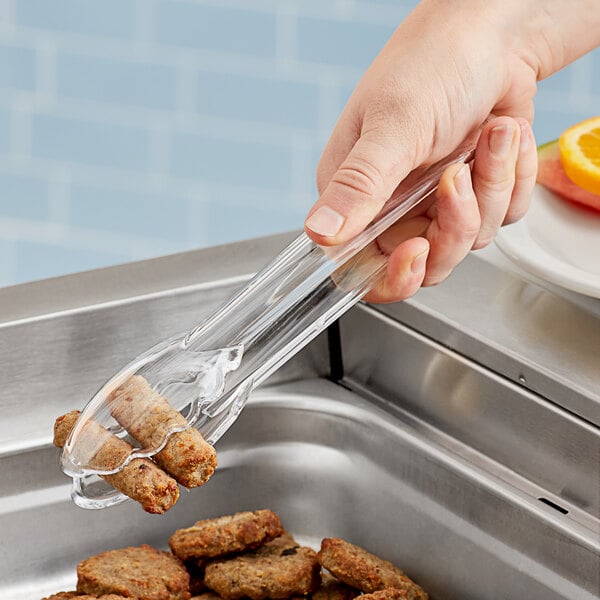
point(186, 458)
point(570, 166)
point(246, 555)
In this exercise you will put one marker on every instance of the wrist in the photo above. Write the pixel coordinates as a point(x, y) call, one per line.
point(547, 34)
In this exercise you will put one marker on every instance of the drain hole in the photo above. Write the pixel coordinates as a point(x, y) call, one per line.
point(553, 505)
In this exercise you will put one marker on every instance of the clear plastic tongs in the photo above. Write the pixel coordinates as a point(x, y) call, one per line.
point(207, 375)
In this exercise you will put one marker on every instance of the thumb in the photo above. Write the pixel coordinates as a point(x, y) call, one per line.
point(358, 189)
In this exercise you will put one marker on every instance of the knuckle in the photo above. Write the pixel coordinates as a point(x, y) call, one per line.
point(462, 228)
point(469, 227)
point(495, 182)
point(360, 176)
point(322, 177)
point(470, 231)
point(527, 173)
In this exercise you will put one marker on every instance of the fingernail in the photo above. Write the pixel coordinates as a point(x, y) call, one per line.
point(462, 181)
point(501, 139)
point(526, 136)
point(325, 221)
point(418, 263)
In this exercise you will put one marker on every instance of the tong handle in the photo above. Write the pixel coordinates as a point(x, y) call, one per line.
point(208, 374)
point(302, 291)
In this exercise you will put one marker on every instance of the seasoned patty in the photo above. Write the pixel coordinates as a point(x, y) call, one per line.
point(279, 569)
point(224, 535)
point(387, 594)
point(365, 571)
point(141, 572)
point(70, 595)
point(332, 588)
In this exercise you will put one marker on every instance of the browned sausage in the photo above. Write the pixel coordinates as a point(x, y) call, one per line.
point(148, 417)
point(141, 479)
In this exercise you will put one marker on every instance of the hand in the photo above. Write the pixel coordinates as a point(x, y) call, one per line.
point(447, 69)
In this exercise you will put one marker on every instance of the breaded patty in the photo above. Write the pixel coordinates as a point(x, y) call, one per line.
point(387, 594)
point(365, 571)
point(224, 535)
point(70, 595)
point(279, 569)
point(206, 596)
point(141, 572)
point(332, 588)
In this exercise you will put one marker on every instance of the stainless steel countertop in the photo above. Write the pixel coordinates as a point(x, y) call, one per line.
point(478, 400)
point(547, 342)
point(544, 339)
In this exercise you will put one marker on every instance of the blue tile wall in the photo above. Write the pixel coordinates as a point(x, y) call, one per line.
point(595, 73)
point(340, 43)
point(41, 260)
point(549, 123)
point(4, 131)
point(567, 97)
point(216, 28)
point(161, 217)
point(94, 143)
point(107, 18)
point(232, 224)
point(562, 82)
point(17, 68)
point(212, 160)
point(133, 128)
point(116, 81)
point(23, 197)
point(273, 100)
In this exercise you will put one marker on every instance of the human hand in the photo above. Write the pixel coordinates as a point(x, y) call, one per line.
point(444, 72)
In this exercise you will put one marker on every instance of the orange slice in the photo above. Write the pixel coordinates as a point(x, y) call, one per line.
point(580, 154)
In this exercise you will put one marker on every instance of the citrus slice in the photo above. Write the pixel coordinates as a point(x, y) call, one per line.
point(580, 154)
point(552, 176)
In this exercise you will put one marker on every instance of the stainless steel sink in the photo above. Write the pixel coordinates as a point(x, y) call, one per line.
point(385, 432)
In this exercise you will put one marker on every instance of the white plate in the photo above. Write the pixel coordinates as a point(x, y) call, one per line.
point(556, 241)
